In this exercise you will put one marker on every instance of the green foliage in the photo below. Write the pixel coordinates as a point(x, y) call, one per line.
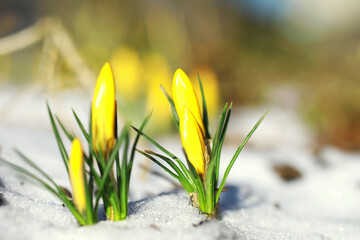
point(204, 191)
point(112, 190)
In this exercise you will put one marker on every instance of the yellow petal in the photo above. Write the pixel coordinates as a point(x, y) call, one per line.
point(77, 177)
point(185, 96)
point(192, 140)
point(103, 110)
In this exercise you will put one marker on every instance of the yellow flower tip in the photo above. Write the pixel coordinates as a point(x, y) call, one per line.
point(103, 110)
point(185, 96)
point(179, 71)
point(77, 177)
point(192, 140)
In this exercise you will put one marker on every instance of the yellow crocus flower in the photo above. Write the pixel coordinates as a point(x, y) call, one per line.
point(192, 140)
point(103, 112)
point(185, 96)
point(77, 177)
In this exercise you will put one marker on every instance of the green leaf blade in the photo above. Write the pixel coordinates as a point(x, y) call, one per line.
point(82, 128)
point(60, 143)
point(205, 112)
point(174, 114)
point(227, 171)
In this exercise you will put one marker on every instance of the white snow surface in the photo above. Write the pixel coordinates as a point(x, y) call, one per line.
point(323, 204)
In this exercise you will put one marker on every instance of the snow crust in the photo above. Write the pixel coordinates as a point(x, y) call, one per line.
point(322, 204)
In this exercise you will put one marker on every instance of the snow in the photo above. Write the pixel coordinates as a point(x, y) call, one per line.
point(322, 204)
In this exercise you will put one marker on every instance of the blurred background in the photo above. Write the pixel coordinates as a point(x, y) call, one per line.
point(297, 54)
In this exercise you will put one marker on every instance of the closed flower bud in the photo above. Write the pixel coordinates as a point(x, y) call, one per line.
point(77, 176)
point(184, 96)
point(103, 112)
point(192, 140)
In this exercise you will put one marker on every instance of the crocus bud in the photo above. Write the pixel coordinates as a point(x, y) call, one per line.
point(192, 140)
point(103, 112)
point(77, 175)
point(185, 96)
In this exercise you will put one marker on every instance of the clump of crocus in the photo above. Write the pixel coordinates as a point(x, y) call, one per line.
point(80, 202)
point(106, 148)
point(201, 179)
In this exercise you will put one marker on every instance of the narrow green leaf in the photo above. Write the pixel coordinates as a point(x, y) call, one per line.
point(90, 133)
point(205, 112)
point(133, 149)
point(158, 163)
point(182, 178)
point(93, 171)
point(106, 188)
point(89, 204)
point(184, 170)
point(161, 148)
point(93, 174)
point(210, 188)
point(220, 126)
point(118, 170)
point(86, 135)
point(124, 189)
point(100, 160)
point(63, 152)
point(236, 155)
point(73, 209)
point(58, 192)
point(117, 161)
point(29, 174)
point(215, 153)
point(226, 122)
point(116, 120)
point(220, 142)
point(181, 164)
point(109, 164)
point(69, 135)
point(34, 166)
point(174, 114)
point(105, 197)
point(199, 187)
